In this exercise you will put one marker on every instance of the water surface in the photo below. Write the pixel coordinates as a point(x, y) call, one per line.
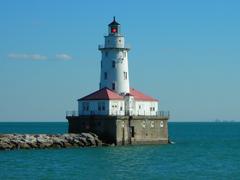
point(202, 151)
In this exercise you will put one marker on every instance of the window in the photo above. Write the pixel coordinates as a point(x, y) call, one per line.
point(99, 106)
point(139, 106)
point(113, 64)
point(125, 75)
point(124, 54)
point(85, 106)
point(113, 86)
point(152, 124)
point(121, 108)
point(152, 108)
point(119, 40)
point(103, 106)
point(105, 75)
point(106, 54)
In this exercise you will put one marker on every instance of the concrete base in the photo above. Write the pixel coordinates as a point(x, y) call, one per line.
point(122, 130)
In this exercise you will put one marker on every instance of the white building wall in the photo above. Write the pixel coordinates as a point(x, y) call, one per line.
point(148, 108)
point(116, 107)
point(93, 107)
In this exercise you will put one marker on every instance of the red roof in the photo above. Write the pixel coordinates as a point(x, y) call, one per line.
point(103, 94)
point(108, 94)
point(140, 96)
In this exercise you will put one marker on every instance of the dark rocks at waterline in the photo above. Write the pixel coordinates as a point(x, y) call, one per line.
point(44, 141)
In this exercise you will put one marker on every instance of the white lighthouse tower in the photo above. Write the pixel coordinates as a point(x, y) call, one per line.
point(114, 96)
point(114, 63)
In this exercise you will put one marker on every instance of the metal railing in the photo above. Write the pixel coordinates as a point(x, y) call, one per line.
point(126, 46)
point(72, 113)
point(101, 46)
point(162, 114)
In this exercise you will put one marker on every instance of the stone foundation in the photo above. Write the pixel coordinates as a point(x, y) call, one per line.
point(123, 130)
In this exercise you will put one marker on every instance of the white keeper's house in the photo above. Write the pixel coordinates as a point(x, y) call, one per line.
point(115, 97)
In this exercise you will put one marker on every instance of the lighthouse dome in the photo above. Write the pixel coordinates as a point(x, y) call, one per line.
point(114, 22)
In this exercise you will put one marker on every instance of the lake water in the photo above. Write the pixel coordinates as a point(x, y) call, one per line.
point(202, 151)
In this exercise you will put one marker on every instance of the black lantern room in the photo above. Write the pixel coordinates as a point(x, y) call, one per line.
point(114, 27)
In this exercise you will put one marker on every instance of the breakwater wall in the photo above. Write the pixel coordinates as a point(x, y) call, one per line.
point(44, 141)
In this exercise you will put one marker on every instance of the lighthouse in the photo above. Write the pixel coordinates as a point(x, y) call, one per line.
point(114, 96)
point(114, 62)
point(116, 112)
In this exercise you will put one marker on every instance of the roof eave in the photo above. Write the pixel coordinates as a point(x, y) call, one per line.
point(97, 99)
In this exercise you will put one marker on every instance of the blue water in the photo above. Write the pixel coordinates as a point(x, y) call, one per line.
point(202, 151)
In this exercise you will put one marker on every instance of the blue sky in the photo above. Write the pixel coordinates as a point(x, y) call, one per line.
point(185, 53)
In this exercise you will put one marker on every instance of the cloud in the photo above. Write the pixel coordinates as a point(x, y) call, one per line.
point(38, 57)
point(63, 57)
point(24, 56)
